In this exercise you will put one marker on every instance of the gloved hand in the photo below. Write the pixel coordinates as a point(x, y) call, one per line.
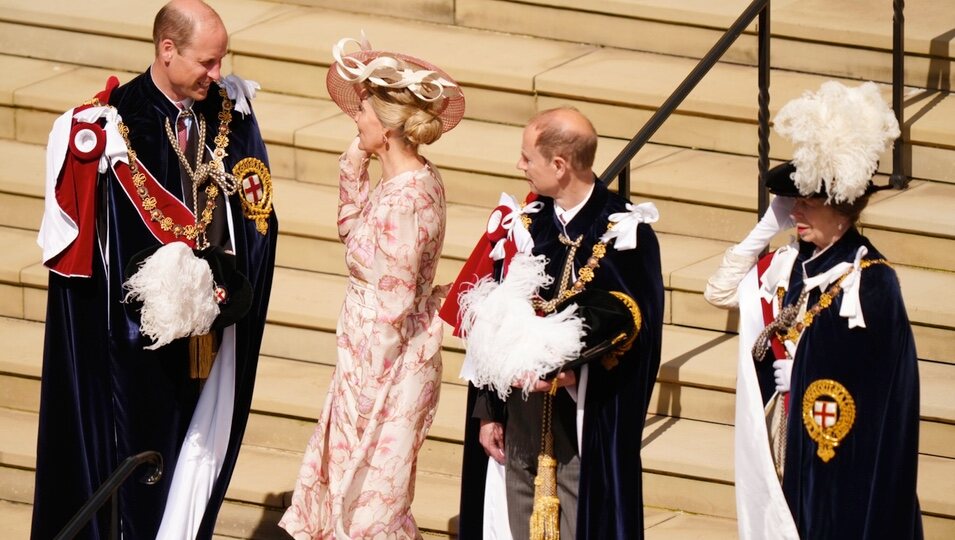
point(783, 374)
point(774, 220)
point(721, 288)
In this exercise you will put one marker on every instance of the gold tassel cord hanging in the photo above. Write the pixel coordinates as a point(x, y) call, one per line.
point(545, 518)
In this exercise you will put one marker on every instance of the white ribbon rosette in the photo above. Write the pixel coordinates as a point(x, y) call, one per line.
point(504, 225)
point(624, 231)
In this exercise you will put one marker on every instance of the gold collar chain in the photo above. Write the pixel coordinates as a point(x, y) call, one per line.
point(584, 276)
point(192, 231)
point(796, 329)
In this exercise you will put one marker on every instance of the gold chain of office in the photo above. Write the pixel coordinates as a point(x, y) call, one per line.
point(193, 230)
point(584, 276)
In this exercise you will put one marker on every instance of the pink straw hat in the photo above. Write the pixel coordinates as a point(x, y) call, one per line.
point(426, 81)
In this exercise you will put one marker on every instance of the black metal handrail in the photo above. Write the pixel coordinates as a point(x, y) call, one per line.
point(620, 167)
point(108, 491)
point(899, 179)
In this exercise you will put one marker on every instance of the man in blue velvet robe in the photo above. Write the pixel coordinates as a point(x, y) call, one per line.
point(116, 187)
point(599, 474)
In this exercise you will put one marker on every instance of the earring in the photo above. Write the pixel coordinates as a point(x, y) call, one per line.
point(840, 226)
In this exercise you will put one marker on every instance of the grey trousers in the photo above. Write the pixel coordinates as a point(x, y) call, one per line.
point(522, 444)
point(519, 483)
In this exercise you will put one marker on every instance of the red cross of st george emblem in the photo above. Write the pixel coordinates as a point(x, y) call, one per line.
point(252, 188)
point(825, 413)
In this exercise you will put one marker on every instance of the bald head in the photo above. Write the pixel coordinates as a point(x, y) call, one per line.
point(567, 133)
point(180, 20)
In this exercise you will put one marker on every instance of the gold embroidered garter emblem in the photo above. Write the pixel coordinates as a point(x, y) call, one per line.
point(828, 412)
point(255, 184)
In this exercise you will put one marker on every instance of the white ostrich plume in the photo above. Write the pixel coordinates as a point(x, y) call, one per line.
point(506, 341)
point(838, 133)
point(177, 292)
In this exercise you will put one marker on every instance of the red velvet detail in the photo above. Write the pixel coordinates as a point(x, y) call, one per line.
point(103, 95)
point(495, 223)
point(779, 351)
point(85, 129)
point(75, 194)
point(168, 203)
point(478, 265)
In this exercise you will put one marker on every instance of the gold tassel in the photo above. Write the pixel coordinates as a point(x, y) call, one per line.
point(545, 517)
point(202, 354)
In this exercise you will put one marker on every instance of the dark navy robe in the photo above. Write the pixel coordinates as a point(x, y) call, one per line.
point(867, 490)
point(610, 496)
point(103, 396)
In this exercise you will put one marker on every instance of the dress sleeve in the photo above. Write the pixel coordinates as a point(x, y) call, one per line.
point(352, 188)
point(407, 230)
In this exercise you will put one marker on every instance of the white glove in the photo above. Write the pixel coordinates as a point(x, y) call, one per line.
point(783, 374)
point(774, 220)
point(722, 287)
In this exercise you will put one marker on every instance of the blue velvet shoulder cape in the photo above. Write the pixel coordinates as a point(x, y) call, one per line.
point(867, 490)
point(610, 497)
point(103, 397)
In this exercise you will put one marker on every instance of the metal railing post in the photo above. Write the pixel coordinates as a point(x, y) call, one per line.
point(623, 179)
point(899, 179)
point(622, 160)
point(763, 114)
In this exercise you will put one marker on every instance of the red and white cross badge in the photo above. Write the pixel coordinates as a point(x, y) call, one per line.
point(825, 413)
point(252, 188)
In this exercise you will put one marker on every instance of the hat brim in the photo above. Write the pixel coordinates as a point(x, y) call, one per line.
point(346, 96)
point(779, 181)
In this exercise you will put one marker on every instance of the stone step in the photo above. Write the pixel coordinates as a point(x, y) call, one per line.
point(841, 39)
point(287, 50)
point(687, 465)
point(696, 381)
point(687, 263)
point(15, 520)
point(699, 193)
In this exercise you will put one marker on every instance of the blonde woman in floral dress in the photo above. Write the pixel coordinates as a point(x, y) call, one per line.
point(357, 478)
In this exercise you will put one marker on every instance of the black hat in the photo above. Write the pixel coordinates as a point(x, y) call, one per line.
point(233, 291)
point(611, 320)
point(779, 181)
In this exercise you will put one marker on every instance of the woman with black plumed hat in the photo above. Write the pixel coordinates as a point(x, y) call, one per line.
point(825, 321)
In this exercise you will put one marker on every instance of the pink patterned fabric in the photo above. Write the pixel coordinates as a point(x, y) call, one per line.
point(357, 477)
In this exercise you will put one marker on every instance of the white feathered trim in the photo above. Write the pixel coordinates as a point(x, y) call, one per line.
point(838, 133)
point(505, 340)
point(177, 292)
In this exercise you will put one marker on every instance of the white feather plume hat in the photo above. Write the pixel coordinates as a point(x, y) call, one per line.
point(838, 133)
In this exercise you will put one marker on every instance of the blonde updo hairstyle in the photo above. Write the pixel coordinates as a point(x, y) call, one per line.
point(410, 117)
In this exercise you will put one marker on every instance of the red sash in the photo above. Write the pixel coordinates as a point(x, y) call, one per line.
point(779, 351)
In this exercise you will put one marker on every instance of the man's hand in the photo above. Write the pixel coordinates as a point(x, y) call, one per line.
point(564, 378)
point(491, 438)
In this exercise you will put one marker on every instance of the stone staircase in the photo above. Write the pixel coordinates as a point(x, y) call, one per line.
point(616, 61)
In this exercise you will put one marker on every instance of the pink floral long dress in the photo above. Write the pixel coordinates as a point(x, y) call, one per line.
point(358, 476)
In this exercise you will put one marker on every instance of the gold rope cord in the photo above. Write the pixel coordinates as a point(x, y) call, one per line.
point(545, 517)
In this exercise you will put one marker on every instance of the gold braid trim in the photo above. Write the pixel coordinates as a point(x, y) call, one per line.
point(545, 517)
point(825, 300)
